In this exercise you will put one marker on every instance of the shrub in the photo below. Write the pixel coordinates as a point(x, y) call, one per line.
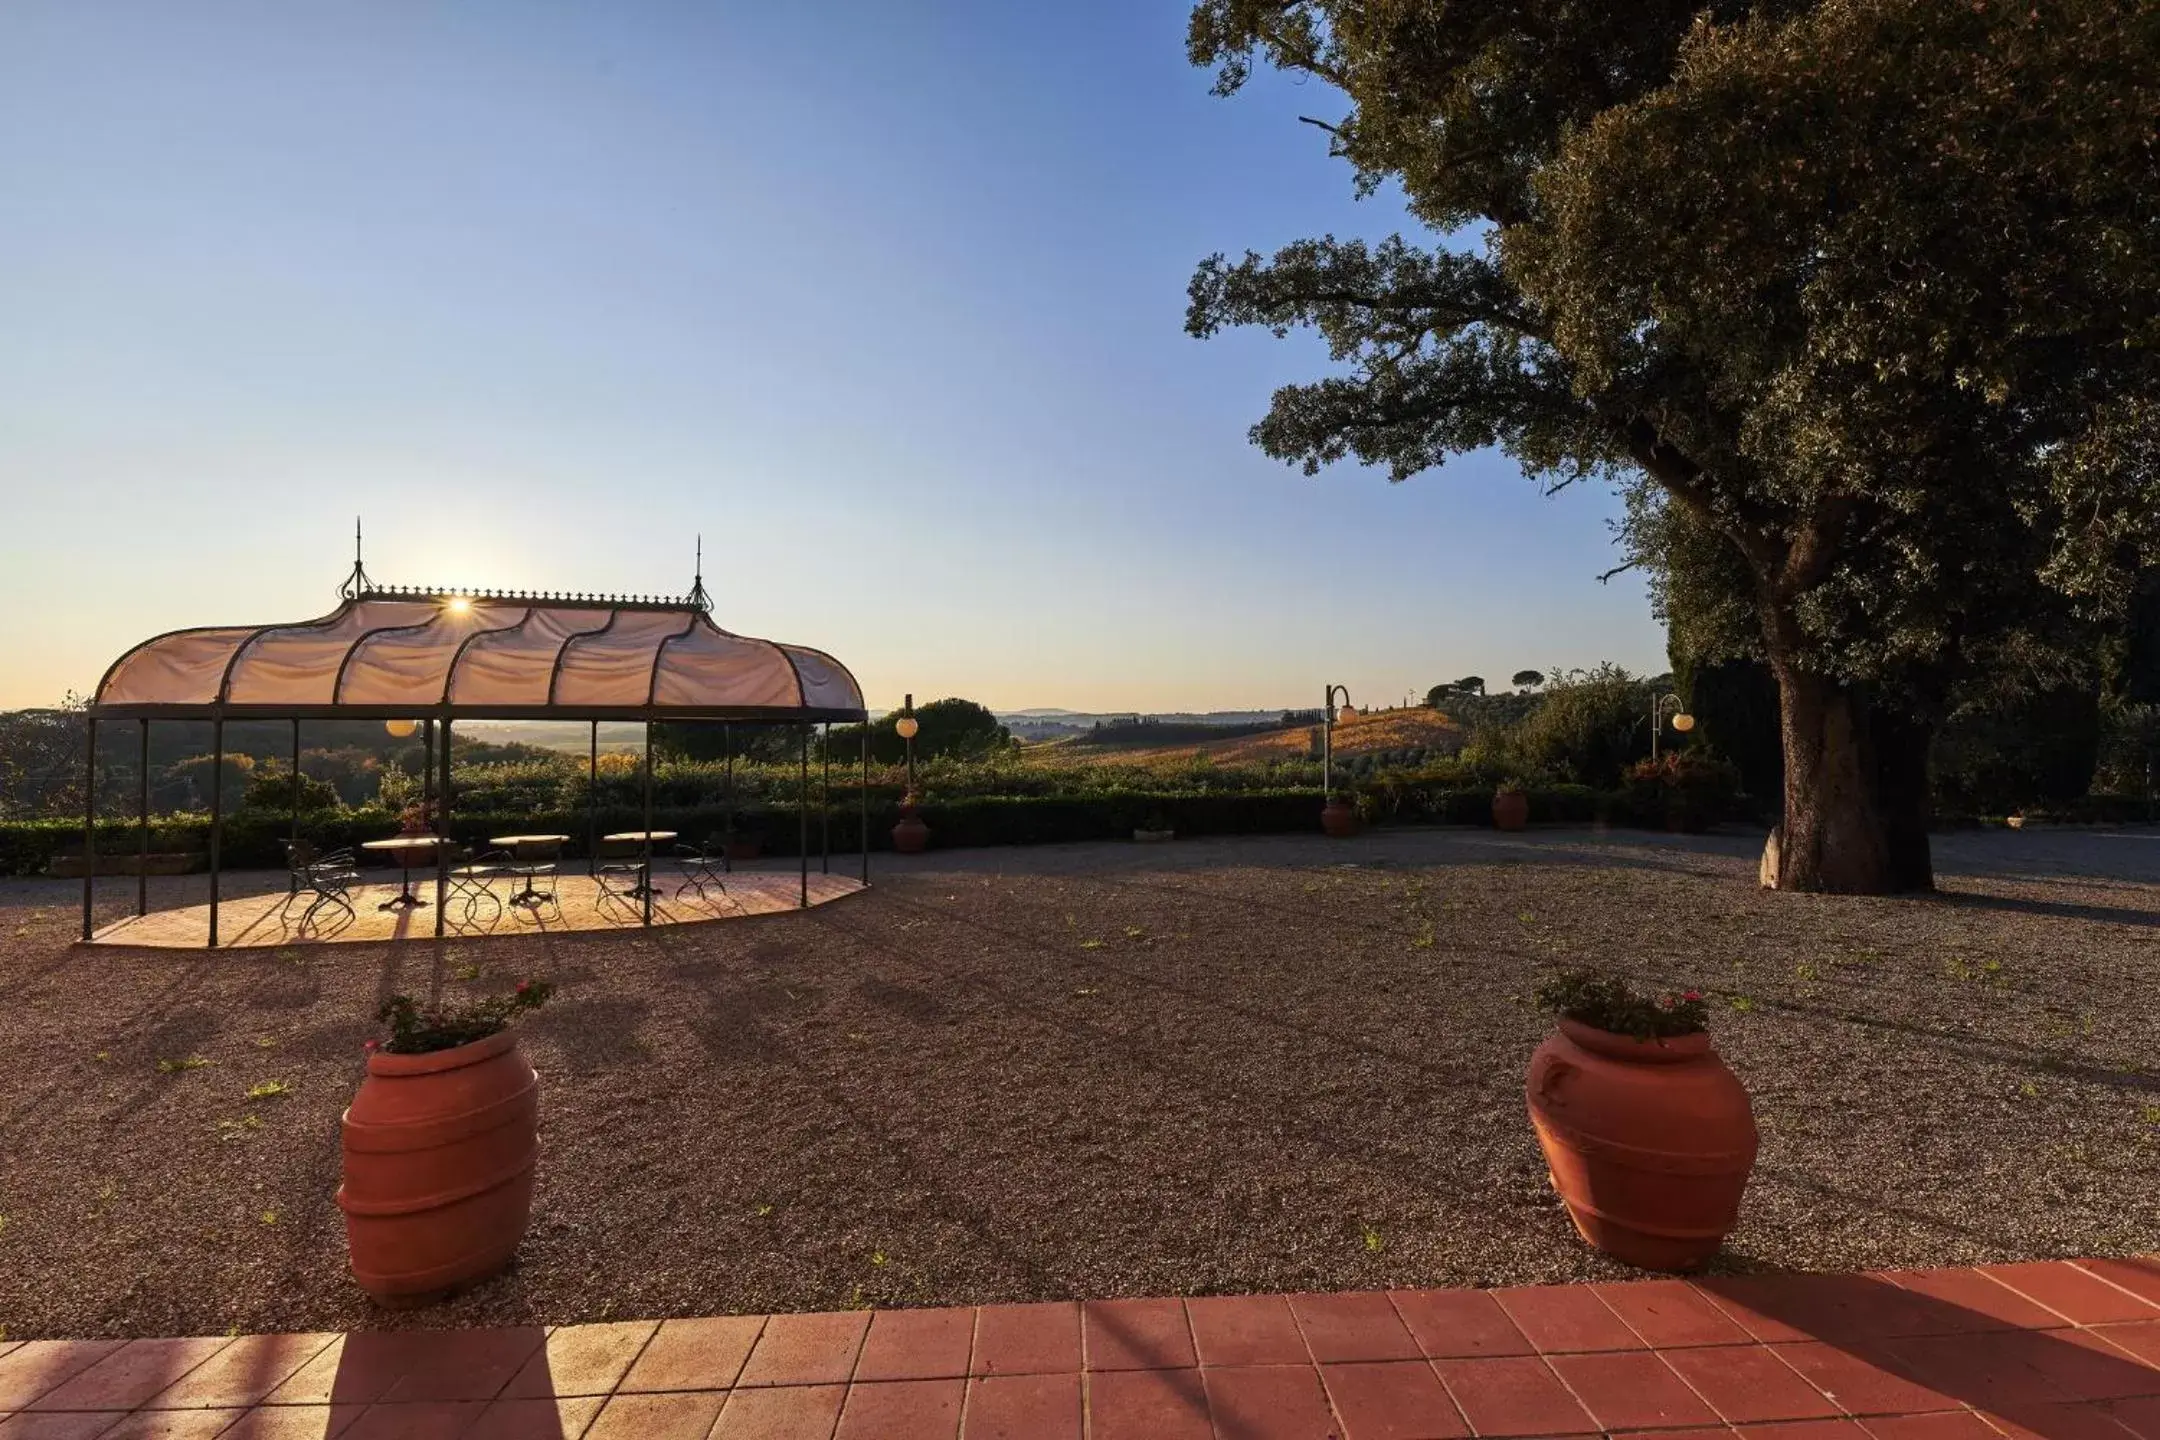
point(1605, 1001)
point(1680, 790)
point(1588, 727)
point(414, 1031)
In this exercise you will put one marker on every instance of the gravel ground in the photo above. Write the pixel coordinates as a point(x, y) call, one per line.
point(1270, 1064)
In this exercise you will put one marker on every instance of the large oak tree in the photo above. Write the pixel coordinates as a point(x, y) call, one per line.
point(1855, 300)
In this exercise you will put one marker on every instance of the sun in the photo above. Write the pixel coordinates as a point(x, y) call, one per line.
point(459, 604)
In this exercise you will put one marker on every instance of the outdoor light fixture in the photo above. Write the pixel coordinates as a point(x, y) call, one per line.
point(402, 729)
point(907, 727)
point(1660, 708)
point(1336, 817)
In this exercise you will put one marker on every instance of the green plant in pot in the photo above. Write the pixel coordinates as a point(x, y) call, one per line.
point(1648, 1136)
point(440, 1146)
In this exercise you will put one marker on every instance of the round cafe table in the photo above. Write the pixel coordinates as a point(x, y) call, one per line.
point(407, 851)
point(516, 844)
point(650, 838)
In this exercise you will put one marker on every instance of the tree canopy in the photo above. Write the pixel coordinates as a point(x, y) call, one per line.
point(1855, 300)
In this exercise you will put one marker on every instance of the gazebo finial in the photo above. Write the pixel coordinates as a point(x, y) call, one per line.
point(699, 600)
point(358, 583)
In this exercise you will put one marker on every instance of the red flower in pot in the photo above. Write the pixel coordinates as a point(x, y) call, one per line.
point(1647, 1134)
point(440, 1146)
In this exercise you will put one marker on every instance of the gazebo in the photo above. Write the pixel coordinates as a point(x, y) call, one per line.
point(437, 655)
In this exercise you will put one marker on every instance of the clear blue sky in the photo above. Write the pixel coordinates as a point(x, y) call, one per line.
point(885, 299)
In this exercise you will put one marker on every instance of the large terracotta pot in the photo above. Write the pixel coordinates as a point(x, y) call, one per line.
point(1510, 809)
point(439, 1154)
point(1339, 818)
point(910, 836)
point(1649, 1141)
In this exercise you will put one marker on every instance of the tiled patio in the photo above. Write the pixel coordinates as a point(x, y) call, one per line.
point(2055, 1350)
point(275, 920)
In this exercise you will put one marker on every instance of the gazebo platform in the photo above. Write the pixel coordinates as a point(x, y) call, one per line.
point(269, 921)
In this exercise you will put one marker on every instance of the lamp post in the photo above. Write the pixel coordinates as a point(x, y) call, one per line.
point(1337, 817)
point(1660, 708)
point(910, 835)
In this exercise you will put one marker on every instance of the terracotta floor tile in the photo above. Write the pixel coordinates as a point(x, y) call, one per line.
point(1147, 1405)
point(354, 1369)
point(2140, 1337)
point(1821, 1307)
point(1749, 1385)
point(1512, 1395)
point(2077, 1296)
point(130, 1375)
point(2087, 1364)
point(2140, 1416)
point(1027, 1339)
point(173, 1425)
point(1864, 1380)
point(1975, 1370)
point(1359, 1325)
point(1393, 1400)
point(1459, 1324)
point(244, 1371)
point(295, 1422)
point(1022, 1407)
point(703, 1354)
point(467, 1364)
point(565, 1418)
point(582, 1359)
point(1668, 1314)
point(1941, 1425)
point(1970, 1300)
point(1245, 1330)
point(2140, 1274)
point(916, 1345)
point(60, 1425)
point(902, 1410)
point(1630, 1390)
point(796, 1412)
point(41, 1366)
point(1136, 1334)
point(684, 1415)
point(807, 1349)
point(1565, 1318)
point(1268, 1402)
point(2056, 1422)
point(1805, 1430)
point(416, 1420)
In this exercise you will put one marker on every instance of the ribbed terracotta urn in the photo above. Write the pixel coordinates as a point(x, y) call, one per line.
point(1649, 1141)
point(1339, 818)
point(439, 1156)
point(1510, 809)
point(910, 836)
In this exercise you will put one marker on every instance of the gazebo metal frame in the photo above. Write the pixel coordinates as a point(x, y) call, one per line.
point(436, 721)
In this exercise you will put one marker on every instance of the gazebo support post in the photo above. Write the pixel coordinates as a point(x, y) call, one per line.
point(824, 798)
point(442, 828)
point(89, 824)
point(592, 801)
point(802, 816)
point(865, 793)
point(296, 780)
point(649, 876)
point(217, 815)
point(727, 751)
point(142, 823)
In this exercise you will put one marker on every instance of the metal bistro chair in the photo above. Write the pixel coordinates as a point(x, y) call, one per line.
point(703, 865)
point(472, 878)
point(327, 876)
point(531, 861)
point(619, 860)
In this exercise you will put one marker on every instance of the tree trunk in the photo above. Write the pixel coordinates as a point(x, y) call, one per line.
point(1855, 820)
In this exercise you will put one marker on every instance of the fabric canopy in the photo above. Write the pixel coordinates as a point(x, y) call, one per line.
point(482, 657)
